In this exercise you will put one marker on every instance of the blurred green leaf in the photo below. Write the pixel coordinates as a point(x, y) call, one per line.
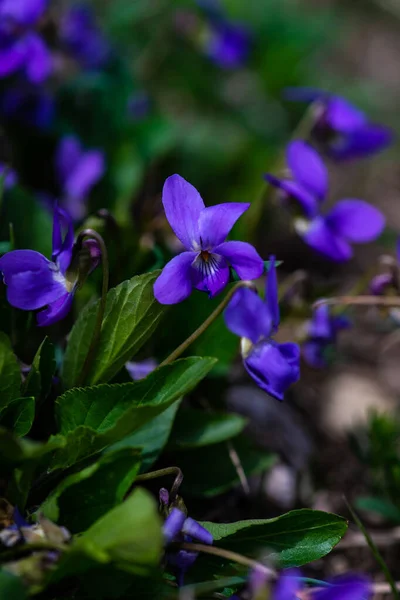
point(18, 416)
point(293, 539)
point(209, 471)
point(12, 587)
point(380, 506)
point(82, 498)
point(195, 428)
point(10, 374)
point(131, 316)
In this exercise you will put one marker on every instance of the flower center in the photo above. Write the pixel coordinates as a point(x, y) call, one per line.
point(205, 255)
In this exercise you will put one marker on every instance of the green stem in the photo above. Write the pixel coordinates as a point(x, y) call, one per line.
point(229, 555)
point(193, 337)
point(162, 473)
point(90, 233)
point(359, 301)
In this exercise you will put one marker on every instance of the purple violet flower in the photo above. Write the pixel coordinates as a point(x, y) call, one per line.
point(36, 283)
point(342, 129)
point(177, 527)
point(10, 178)
point(273, 366)
point(82, 38)
point(322, 332)
point(140, 370)
point(21, 48)
point(349, 221)
point(227, 43)
point(29, 104)
point(78, 171)
point(202, 231)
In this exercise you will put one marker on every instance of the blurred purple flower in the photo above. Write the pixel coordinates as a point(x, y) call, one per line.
point(78, 171)
point(202, 231)
point(36, 283)
point(83, 39)
point(21, 48)
point(227, 43)
point(179, 528)
point(322, 332)
point(10, 176)
point(140, 370)
point(350, 220)
point(273, 366)
point(342, 129)
point(139, 105)
point(29, 104)
point(345, 587)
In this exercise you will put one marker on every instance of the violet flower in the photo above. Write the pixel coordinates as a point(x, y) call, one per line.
point(202, 231)
point(36, 283)
point(140, 370)
point(322, 332)
point(273, 366)
point(78, 171)
point(83, 39)
point(342, 129)
point(10, 178)
point(28, 103)
point(179, 528)
point(345, 587)
point(227, 43)
point(349, 221)
point(21, 48)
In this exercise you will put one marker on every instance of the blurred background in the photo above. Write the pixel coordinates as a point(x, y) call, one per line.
point(196, 87)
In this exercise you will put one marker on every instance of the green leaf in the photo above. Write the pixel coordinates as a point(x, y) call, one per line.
point(12, 587)
point(94, 418)
point(151, 438)
point(129, 535)
point(15, 451)
point(84, 497)
point(18, 416)
point(293, 539)
point(131, 316)
point(195, 428)
point(43, 367)
point(209, 471)
point(381, 506)
point(10, 374)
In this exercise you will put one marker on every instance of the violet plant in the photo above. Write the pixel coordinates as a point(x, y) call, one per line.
point(119, 379)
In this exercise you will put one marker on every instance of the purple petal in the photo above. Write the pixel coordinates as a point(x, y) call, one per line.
point(12, 58)
point(320, 326)
point(10, 176)
point(313, 354)
point(175, 283)
point(243, 257)
point(347, 587)
point(356, 220)
point(24, 12)
point(173, 524)
point(56, 311)
point(228, 45)
point(320, 237)
point(62, 249)
point(34, 289)
point(38, 59)
point(271, 294)
point(197, 531)
point(295, 191)
point(85, 175)
point(140, 370)
point(19, 261)
point(364, 141)
point(210, 273)
point(258, 580)
point(68, 154)
point(307, 168)
point(163, 496)
point(183, 205)
point(274, 367)
point(288, 585)
point(247, 315)
point(215, 222)
point(341, 116)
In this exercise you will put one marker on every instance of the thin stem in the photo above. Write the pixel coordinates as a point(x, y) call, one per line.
point(359, 301)
point(193, 337)
point(229, 555)
point(237, 463)
point(90, 233)
point(18, 551)
point(162, 473)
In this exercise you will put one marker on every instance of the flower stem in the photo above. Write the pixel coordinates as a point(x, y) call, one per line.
point(90, 233)
point(193, 337)
point(162, 473)
point(360, 301)
point(229, 555)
